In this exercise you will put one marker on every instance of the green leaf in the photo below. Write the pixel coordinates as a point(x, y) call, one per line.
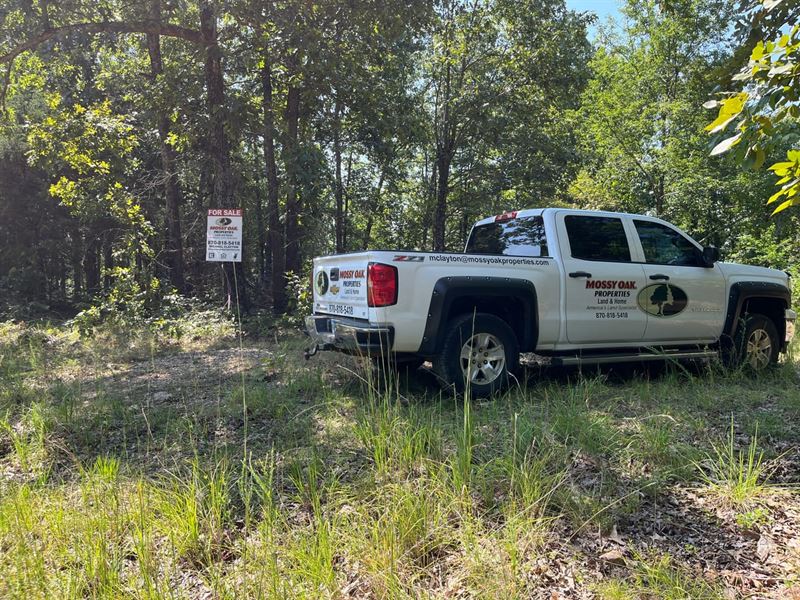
point(781, 168)
point(774, 198)
point(770, 4)
point(786, 205)
point(730, 108)
point(760, 157)
point(758, 52)
point(781, 70)
point(726, 144)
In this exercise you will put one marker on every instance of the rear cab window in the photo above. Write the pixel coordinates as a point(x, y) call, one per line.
point(597, 238)
point(523, 236)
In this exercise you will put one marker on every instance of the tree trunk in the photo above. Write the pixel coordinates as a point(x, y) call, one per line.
point(338, 191)
point(445, 127)
point(172, 190)
point(75, 260)
point(374, 206)
point(219, 148)
point(431, 183)
point(346, 194)
point(660, 194)
point(108, 261)
point(440, 212)
point(275, 233)
point(291, 158)
point(91, 263)
point(263, 247)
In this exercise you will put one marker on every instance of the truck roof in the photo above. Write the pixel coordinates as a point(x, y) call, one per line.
point(538, 212)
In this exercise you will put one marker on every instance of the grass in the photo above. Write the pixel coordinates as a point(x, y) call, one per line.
point(123, 474)
point(737, 478)
point(658, 577)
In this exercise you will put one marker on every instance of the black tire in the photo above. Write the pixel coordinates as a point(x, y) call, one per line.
point(467, 328)
point(756, 344)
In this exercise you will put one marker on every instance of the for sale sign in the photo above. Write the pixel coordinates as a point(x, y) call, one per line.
point(224, 235)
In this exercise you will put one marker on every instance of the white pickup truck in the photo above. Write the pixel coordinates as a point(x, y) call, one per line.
point(580, 287)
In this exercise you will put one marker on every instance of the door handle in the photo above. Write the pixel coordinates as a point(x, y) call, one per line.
point(659, 276)
point(576, 274)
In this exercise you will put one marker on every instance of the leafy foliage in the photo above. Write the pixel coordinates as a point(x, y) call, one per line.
point(339, 126)
point(765, 111)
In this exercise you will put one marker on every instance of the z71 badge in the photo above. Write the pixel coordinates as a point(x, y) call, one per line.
point(408, 258)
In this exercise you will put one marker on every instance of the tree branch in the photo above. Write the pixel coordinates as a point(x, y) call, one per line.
point(165, 29)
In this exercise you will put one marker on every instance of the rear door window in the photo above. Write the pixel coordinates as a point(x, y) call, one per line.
point(597, 238)
point(523, 236)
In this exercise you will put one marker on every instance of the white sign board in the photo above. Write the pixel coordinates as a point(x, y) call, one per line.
point(224, 235)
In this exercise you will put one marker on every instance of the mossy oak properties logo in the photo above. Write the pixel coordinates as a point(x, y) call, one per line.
point(662, 300)
point(321, 283)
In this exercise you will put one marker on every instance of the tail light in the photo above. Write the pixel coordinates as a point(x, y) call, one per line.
point(381, 285)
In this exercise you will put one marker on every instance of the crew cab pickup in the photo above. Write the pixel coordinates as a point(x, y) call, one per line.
point(581, 287)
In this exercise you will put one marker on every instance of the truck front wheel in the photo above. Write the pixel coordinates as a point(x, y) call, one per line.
point(756, 344)
point(480, 352)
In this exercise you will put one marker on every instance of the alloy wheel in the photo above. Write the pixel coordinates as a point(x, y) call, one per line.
point(759, 349)
point(483, 358)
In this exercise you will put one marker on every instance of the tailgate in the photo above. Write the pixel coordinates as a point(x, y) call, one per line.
point(340, 286)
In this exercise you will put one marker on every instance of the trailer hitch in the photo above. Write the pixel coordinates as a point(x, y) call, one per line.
point(311, 351)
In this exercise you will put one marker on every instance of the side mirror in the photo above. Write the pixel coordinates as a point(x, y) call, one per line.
point(710, 256)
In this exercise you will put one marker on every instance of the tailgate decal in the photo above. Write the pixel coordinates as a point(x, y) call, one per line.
point(341, 290)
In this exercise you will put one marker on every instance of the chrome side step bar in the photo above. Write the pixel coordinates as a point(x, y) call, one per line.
point(602, 359)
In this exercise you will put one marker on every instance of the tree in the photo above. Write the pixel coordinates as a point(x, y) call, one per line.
point(640, 124)
point(172, 191)
point(764, 109)
point(46, 23)
point(499, 73)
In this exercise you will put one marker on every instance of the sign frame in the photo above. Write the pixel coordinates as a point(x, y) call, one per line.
point(224, 235)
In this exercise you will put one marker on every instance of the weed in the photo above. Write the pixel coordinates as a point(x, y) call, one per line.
point(616, 590)
point(753, 518)
point(28, 436)
point(735, 478)
point(461, 463)
point(396, 439)
point(574, 422)
point(658, 577)
point(196, 512)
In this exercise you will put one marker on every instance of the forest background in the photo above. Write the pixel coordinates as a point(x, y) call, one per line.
point(342, 125)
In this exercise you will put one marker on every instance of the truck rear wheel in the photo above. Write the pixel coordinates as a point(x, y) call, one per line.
point(480, 352)
point(756, 344)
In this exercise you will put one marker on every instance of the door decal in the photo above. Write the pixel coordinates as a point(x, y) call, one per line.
point(662, 300)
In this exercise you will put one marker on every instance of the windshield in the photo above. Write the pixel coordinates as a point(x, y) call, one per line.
point(517, 237)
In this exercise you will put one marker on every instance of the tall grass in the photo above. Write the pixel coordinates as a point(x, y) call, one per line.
point(344, 491)
point(659, 577)
point(28, 435)
point(736, 478)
